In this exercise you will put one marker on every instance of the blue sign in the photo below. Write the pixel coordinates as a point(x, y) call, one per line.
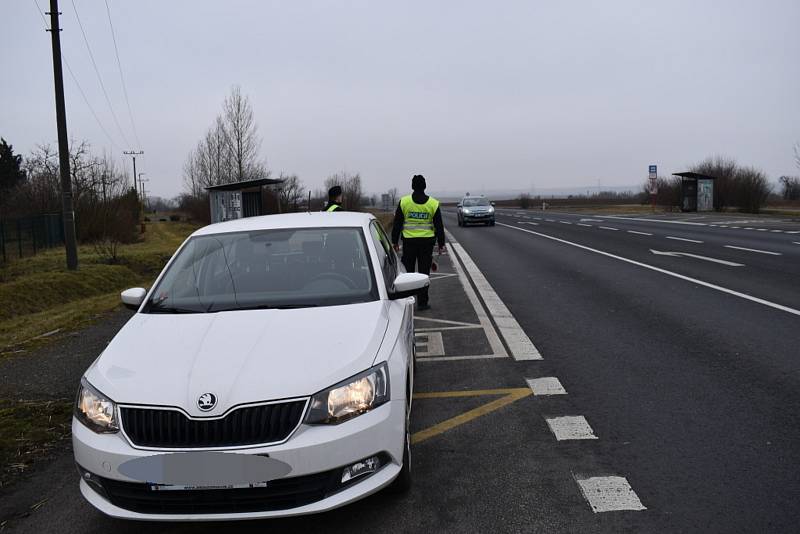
point(653, 169)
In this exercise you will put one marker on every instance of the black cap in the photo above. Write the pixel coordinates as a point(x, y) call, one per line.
point(418, 183)
point(334, 191)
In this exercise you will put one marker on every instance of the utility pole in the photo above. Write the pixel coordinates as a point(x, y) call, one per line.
point(70, 243)
point(133, 154)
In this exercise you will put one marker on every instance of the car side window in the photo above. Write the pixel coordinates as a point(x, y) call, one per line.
point(386, 255)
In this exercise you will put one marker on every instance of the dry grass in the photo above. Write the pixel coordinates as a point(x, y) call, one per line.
point(39, 296)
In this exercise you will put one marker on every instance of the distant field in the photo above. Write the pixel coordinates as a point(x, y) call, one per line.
point(40, 298)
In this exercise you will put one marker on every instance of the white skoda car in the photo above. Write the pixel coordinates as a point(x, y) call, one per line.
point(268, 372)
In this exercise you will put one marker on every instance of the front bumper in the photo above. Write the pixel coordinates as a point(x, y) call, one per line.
point(312, 452)
point(478, 217)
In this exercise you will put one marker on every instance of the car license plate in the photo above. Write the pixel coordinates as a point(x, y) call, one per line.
point(181, 487)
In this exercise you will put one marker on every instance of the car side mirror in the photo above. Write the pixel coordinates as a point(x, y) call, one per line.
point(458, 205)
point(408, 285)
point(132, 298)
point(492, 203)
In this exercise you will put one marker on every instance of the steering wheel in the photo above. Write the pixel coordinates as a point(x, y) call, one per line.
point(332, 276)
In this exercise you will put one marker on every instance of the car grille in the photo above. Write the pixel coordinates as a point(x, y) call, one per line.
point(281, 494)
point(249, 425)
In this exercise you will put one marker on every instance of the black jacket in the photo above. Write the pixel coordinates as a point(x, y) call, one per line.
point(399, 218)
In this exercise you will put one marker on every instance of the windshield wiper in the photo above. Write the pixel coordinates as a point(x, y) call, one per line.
point(270, 307)
point(171, 309)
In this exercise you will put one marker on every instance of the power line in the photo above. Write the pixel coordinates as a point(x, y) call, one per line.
point(78, 85)
point(121, 76)
point(97, 72)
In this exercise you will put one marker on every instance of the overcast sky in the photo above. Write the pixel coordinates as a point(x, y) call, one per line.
point(475, 95)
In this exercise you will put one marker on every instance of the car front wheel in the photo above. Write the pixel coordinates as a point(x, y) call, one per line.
point(402, 483)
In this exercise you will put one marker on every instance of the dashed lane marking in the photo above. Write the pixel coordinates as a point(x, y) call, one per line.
point(550, 220)
point(755, 250)
point(796, 242)
point(794, 232)
point(518, 342)
point(546, 385)
point(709, 285)
point(684, 239)
point(638, 233)
point(609, 228)
point(565, 222)
point(776, 231)
point(582, 224)
point(508, 396)
point(609, 494)
point(570, 427)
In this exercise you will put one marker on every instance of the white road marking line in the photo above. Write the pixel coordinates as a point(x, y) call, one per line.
point(444, 321)
point(683, 239)
point(550, 220)
point(723, 225)
point(564, 222)
point(796, 242)
point(713, 225)
point(518, 342)
point(749, 228)
point(609, 228)
point(581, 224)
point(491, 334)
point(638, 233)
point(609, 494)
point(531, 222)
point(441, 328)
point(456, 358)
point(794, 232)
point(776, 231)
point(538, 218)
point(706, 258)
point(761, 229)
point(591, 220)
point(745, 296)
point(429, 344)
point(737, 227)
point(569, 427)
point(546, 385)
point(755, 250)
point(650, 220)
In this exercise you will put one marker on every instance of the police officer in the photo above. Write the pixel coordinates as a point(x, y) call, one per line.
point(334, 199)
point(419, 220)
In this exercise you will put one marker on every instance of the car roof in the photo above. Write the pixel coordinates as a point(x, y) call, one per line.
point(313, 219)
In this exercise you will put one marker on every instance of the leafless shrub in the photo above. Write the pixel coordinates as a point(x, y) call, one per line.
point(524, 200)
point(790, 186)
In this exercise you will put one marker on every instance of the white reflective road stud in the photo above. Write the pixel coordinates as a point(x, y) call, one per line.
point(609, 494)
point(429, 344)
point(570, 427)
point(546, 385)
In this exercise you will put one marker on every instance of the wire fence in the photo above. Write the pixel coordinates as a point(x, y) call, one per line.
point(27, 236)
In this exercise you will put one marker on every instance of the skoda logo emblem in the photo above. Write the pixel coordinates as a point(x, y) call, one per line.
point(207, 401)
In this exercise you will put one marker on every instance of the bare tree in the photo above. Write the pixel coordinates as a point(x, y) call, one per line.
point(291, 192)
point(241, 134)
point(393, 196)
point(351, 188)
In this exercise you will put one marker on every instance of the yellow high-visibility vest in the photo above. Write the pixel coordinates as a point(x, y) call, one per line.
point(333, 207)
point(418, 218)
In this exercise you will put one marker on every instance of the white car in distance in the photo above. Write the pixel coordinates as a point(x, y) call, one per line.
point(268, 372)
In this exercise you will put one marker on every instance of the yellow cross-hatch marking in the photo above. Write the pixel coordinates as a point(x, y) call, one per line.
point(508, 395)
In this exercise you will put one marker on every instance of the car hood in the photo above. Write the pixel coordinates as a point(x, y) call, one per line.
point(239, 356)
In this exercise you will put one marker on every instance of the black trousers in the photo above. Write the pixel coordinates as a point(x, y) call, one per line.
point(417, 257)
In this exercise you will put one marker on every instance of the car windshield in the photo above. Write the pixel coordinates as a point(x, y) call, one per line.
point(470, 202)
point(287, 268)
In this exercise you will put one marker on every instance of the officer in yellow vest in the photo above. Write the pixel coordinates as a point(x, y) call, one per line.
point(419, 221)
point(334, 199)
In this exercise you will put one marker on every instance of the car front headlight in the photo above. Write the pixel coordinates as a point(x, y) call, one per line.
point(491, 209)
point(95, 410)
point(350, 398)
point(465, 210)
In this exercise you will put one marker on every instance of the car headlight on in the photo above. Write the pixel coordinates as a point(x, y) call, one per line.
point(491, 210)
point(350, 398)
point(95, 410)
point(465, 210)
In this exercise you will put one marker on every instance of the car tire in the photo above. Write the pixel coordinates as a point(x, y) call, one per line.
point(402, 483)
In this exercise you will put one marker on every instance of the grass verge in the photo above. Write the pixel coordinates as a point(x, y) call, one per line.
point(29, 430)
point(40, 298)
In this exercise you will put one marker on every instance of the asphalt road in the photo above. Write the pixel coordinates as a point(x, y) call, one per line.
point(685, 368)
